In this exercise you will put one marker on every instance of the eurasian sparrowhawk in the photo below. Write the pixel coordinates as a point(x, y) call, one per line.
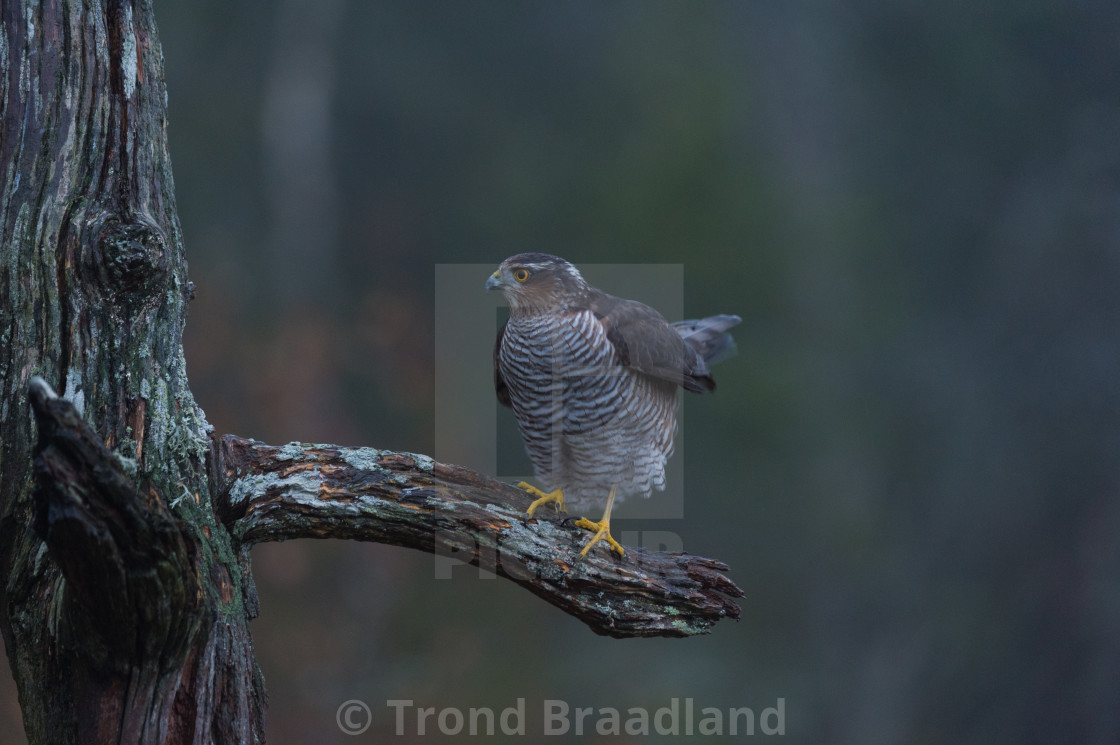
point(592, 380)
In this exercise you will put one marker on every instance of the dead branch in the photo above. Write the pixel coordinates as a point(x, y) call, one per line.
point(324, 491)
point(127, 565)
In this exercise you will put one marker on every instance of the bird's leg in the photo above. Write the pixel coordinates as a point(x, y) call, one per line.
point(555, 496)
point(602, 529)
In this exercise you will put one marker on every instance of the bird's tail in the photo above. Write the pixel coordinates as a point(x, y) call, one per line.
point(709, 337)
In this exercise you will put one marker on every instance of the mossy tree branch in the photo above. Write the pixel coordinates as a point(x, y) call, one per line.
point(404, 499)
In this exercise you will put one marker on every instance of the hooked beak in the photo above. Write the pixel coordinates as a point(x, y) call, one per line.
point(493, 282)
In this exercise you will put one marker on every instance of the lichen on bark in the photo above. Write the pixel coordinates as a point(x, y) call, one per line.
point(110, 573)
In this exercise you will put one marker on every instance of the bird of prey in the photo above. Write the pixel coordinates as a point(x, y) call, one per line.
point(592, 380)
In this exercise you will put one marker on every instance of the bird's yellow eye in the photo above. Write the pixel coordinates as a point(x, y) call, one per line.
point(521, 275)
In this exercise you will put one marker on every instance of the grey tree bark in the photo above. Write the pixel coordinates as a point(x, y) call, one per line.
point(125, 523)
point(122, 616)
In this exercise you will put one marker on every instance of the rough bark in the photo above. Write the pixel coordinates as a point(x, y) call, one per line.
point(404, 499)
point(125, 525)
point(93, 292)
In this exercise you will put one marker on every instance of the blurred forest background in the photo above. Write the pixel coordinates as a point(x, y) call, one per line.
point(912, 465)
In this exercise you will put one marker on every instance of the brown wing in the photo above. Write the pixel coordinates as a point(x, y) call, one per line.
point(645, 341)
point(500, 387)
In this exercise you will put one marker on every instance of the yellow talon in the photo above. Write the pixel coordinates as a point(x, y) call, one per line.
point(556, 496)
point(602, 529)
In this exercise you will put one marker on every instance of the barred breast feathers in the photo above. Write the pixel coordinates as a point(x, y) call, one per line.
point(587, 422)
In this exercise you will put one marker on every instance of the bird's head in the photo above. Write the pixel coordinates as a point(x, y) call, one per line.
point(536, 282)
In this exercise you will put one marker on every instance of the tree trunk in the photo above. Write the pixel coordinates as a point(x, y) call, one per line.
point(131, 627)
point(125, 524)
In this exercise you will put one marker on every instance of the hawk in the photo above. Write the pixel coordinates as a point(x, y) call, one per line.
point(592, 380)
